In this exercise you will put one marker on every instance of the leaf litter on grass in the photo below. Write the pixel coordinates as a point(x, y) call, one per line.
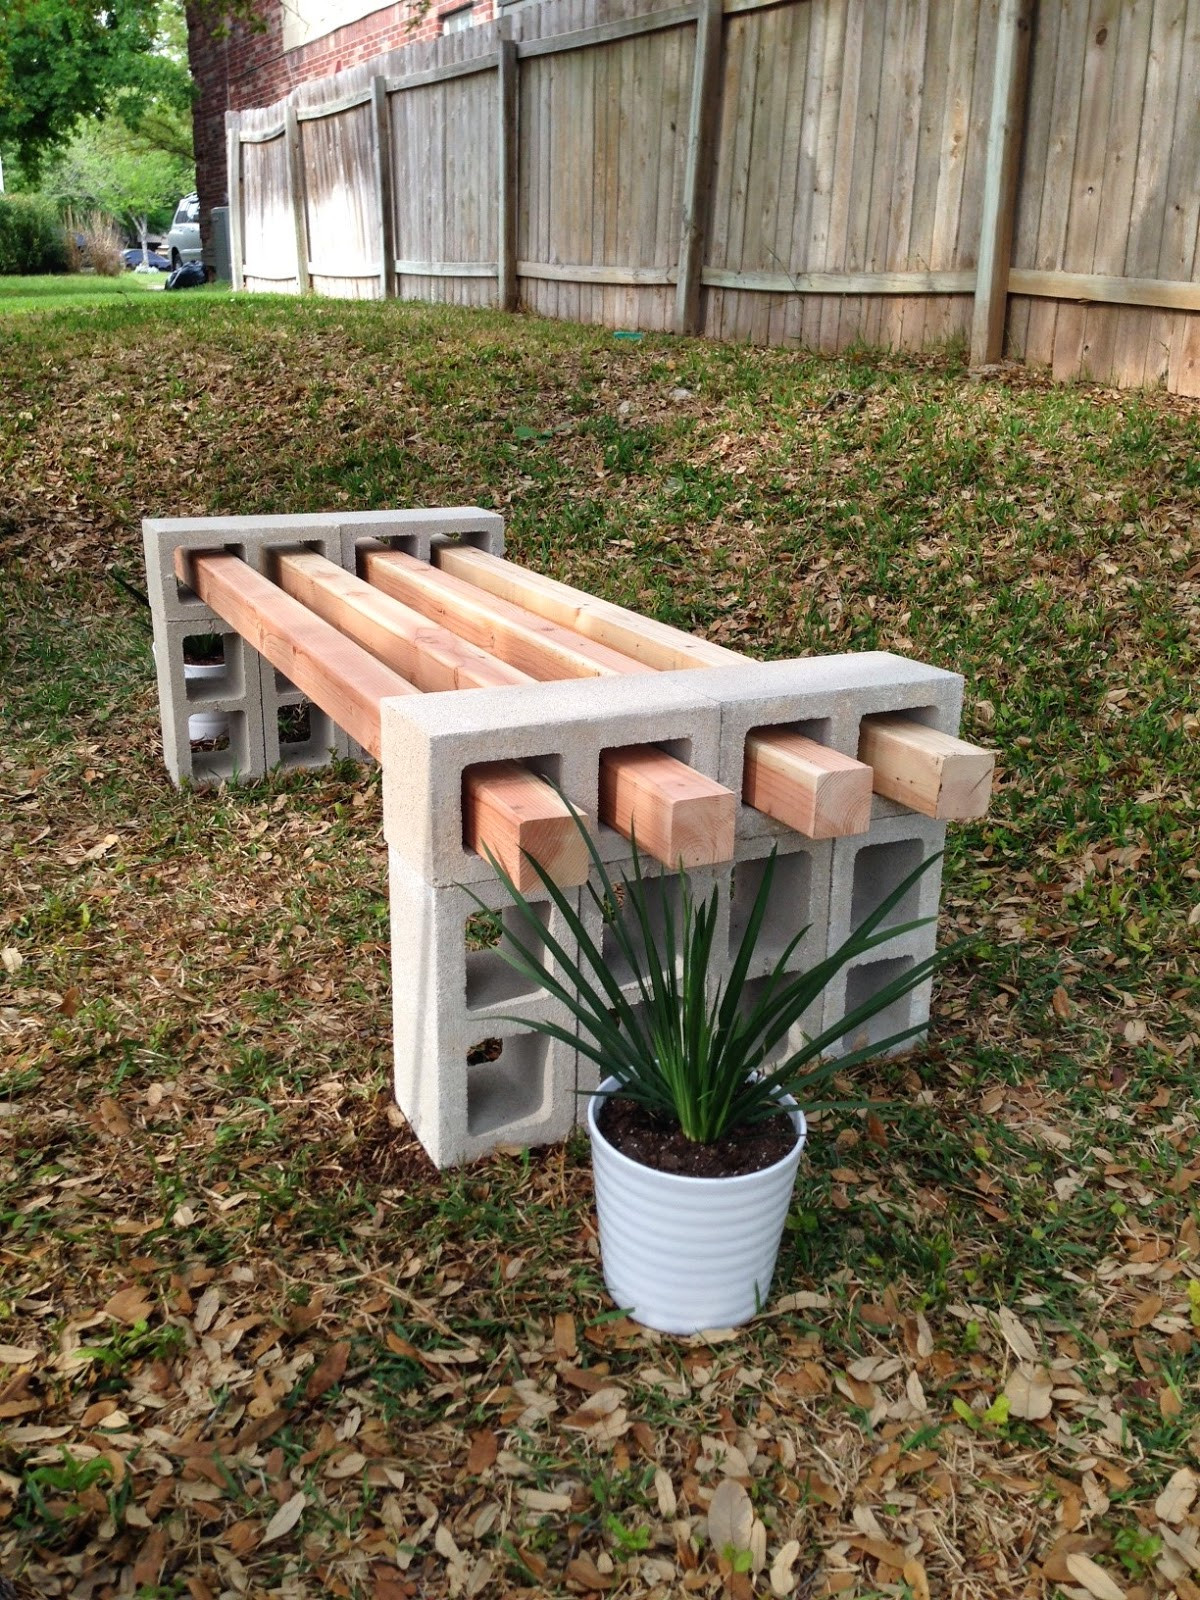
point(251, 1343)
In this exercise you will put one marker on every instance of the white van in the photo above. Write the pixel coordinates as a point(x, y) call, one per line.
point(183, 241)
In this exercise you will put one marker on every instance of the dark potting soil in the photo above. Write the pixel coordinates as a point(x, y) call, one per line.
point(653, 1143)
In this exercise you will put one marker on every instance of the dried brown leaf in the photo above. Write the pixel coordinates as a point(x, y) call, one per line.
point(129, 1305)
point(1029, 1392)
point(730, 1517)
point(484, 1448)
point(329, 1371)
point(1093, 1578)
point(1174, 1503)
point(285, 1519)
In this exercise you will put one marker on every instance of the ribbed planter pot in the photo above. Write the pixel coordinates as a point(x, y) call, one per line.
point(679, 1253)
point(205, 725)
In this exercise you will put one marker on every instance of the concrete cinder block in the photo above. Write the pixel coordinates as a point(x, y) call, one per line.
point(825, 697)
point(296, 732)
point(446, 1010)
point(250, 538)
point(865, 871)
point(558, 729)
point(416, 530)
point(236, 692)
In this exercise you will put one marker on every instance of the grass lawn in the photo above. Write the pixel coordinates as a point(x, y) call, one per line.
point(73, 291)
point(250, 1343)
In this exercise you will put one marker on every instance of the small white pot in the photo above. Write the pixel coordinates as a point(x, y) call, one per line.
point(681, 1253)
point(204, 725)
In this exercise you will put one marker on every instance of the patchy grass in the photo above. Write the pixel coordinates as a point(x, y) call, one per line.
point(252, 1344)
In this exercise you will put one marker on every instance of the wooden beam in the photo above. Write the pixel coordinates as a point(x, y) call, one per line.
point(819, 792)
point(554, 44)
point(233, 188)
point(678, 813)
point(445, 269)
point(334, 108)
point(430, 657)
point(1001, 170)
point(507, 181)
point(506, 808)
point(778, 762)
point(384, 198)
point(295, 166)
point(531, 643)
point(678, 816)
point(452, 69)
point(588, 272)
point(335, 673)
point(511, 813)
point(849, 283)
point(654, 644)
point(698, 162)
point(1163, 293)
point(928, 771)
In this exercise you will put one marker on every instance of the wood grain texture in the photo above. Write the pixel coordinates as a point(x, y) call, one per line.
point(925, 770)
point(652, 644)
point(511, 814)
point(432, 658)
point(534, 644)
point(334, 672)
point(819, 792)
point(676, 814)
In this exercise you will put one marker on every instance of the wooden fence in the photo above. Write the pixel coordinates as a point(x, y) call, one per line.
point(897, 172)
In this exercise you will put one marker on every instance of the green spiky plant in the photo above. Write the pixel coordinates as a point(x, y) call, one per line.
point(697, 1054)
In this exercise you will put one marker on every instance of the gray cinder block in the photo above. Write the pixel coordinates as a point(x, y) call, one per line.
point(825, 697)
point(445, 1007)
point(865, 871)
point(559, 729)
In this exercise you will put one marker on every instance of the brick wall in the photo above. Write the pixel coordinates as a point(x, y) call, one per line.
point(241, 67)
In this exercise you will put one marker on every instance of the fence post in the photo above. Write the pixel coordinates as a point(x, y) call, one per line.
point(233, 188)
point(295, 161)
point(697, 172)
point(506, 150)
point(1000, 181)
point(383, 187)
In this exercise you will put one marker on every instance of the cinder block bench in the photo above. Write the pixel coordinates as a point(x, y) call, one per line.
point(355, 634)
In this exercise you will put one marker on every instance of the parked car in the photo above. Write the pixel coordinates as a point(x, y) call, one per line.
point(133, 258)
point(183, 239)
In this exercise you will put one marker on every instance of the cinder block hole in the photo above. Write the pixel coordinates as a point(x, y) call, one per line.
point(862, 984)
point(283, 685)
point(295, 724)
point(818, 729)
point(506, 1081)
point(788, 910)
point(751, 995)
point(663, 900)
point(211, 666)
point(878, 870)
point(490, 979)
point(183, 591)
point(221, 757)
point(926, 715)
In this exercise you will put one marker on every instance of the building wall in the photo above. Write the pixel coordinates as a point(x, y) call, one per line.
point(240, 67)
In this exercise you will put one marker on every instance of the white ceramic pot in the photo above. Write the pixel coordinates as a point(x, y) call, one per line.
point(680, 1253)
point(203, 725)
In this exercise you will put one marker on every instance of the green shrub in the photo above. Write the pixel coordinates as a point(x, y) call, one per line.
point(31, 236)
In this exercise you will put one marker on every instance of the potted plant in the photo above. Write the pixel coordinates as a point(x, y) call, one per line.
point(697, 1127)
point(204, 658)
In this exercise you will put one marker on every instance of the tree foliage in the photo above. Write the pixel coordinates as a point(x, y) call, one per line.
point(65, 60)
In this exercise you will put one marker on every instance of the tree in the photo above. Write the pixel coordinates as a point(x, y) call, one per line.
point(136, 176)
point(64, 60)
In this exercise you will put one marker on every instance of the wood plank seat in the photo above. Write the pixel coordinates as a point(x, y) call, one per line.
point(793, 779)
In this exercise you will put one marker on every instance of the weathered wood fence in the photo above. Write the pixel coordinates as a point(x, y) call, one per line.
point(896, 172)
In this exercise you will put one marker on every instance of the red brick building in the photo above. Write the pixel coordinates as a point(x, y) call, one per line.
point(298, 40)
